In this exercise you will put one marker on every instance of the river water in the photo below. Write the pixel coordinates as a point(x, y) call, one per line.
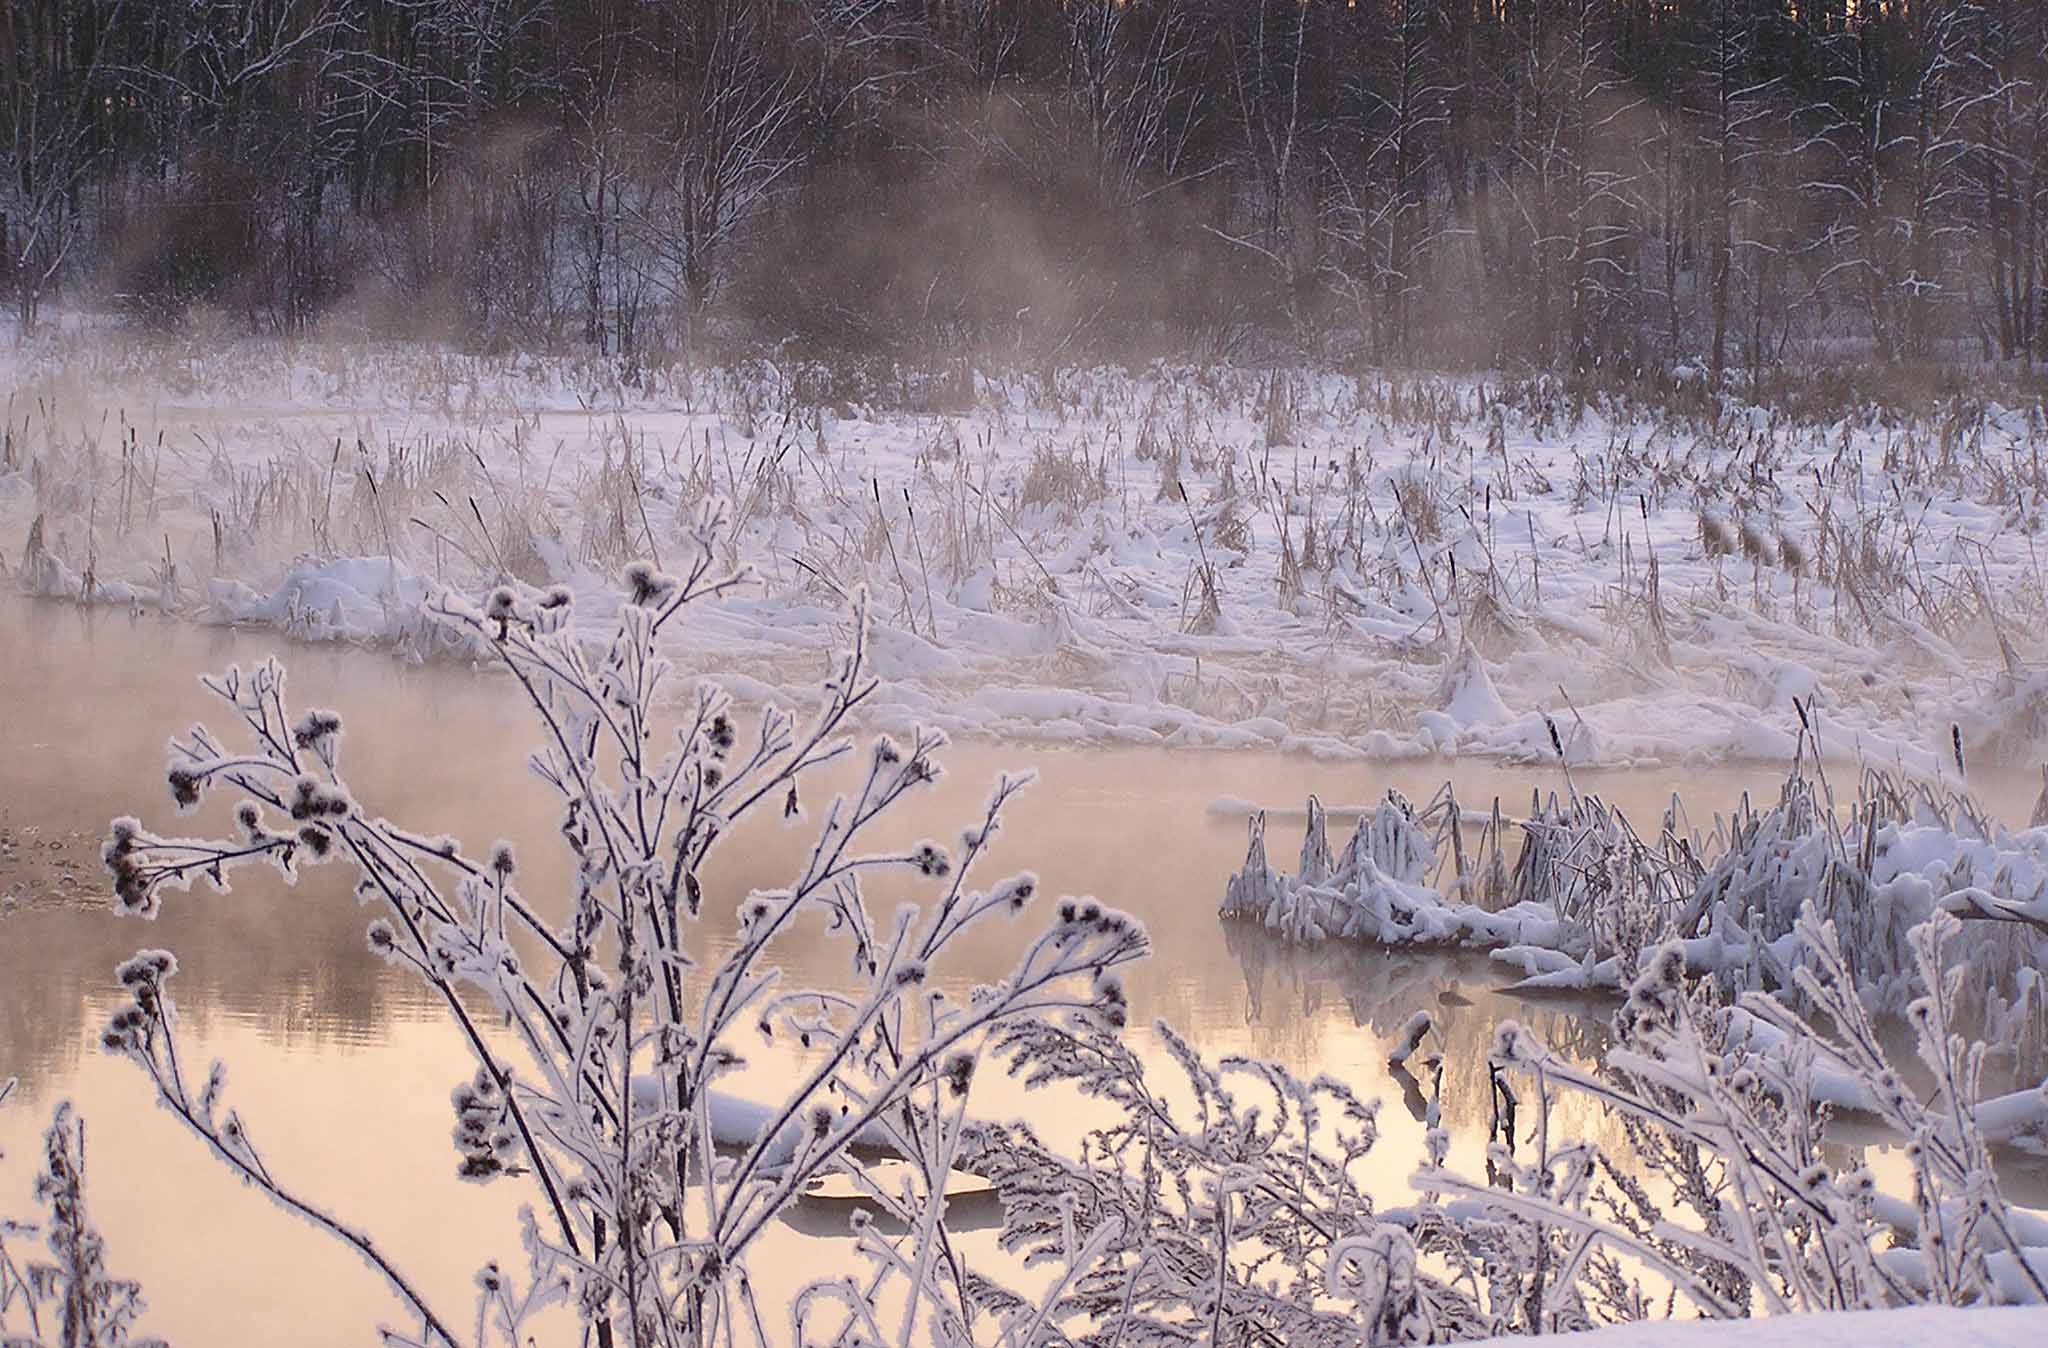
point(341, 1066)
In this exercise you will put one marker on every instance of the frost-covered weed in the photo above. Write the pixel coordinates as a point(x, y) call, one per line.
point(1235, 1216)
point(68, 1298)
point(1225, 1205)
point(603, 1097)
point(1776, 1226)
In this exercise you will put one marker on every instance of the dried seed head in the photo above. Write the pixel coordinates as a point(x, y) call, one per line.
point(647, 587)
point(146, 967)
point(316, 727)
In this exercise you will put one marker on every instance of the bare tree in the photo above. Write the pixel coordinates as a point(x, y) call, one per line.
point(1891, 145)
point(1382, 215)
point(1131, 72)
point(1731, 106)
point(2005, 165)
point(727, 145)
point(58, 76)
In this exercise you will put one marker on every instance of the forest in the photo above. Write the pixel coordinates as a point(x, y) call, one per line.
point(1700, 186)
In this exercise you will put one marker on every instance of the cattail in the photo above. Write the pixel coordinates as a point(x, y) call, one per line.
point(1715, 538)
point(1755, 544)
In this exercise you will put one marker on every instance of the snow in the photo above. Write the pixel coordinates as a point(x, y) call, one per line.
point(1588, 894)
point(1990, 1327)
point(738, 1123)
point(1452, 587)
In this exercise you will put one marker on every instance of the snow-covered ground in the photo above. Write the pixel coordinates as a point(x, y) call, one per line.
point(1999, 1327)
point(1398, 567)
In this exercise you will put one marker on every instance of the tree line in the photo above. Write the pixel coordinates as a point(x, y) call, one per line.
point(1566, 183)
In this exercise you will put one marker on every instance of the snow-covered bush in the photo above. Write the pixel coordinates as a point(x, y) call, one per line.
point(1738, 1135)
point(602, 1094)
point(1227, 1203)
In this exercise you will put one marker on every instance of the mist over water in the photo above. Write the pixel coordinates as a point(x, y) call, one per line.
point(339, 1062)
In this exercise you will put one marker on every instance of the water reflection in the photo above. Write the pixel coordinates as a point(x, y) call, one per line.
point(342, 1065)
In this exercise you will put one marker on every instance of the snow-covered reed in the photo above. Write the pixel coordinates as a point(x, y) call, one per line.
point(1370, 564)
point(1586, 895)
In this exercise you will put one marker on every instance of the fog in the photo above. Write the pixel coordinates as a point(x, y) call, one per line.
point(1588, 186)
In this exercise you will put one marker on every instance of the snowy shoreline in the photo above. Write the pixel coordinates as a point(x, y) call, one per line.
point(1398, 568)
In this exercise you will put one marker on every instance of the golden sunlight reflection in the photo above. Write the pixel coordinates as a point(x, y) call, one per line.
point(342, 1067)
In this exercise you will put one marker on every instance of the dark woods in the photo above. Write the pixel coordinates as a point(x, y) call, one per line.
point(1578, 183)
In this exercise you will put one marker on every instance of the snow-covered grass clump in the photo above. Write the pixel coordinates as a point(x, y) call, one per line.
point(1381, 565)
point(1586, 896)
